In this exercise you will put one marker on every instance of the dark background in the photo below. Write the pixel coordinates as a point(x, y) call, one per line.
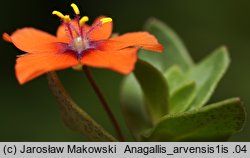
point(29, 112)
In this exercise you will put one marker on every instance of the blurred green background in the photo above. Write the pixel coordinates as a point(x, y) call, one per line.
point(29, 112)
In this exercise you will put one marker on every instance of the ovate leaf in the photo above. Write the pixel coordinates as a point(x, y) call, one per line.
point(207, 74)
point(216, 122)
point(175, 78)
point(175, 53)
point(133, 106)
point(181, 89)
point(154, 88)
point(182, 97)
point(73, 116)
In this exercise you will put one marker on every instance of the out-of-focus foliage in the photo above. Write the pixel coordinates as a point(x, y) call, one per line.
point(190, 87)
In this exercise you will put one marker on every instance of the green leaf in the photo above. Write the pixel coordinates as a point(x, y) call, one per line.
point(154, 89)
point(216, 122)
point(207, 74)
point(175, 53)
point(73, 116)
point(181, 89)
point(133, 109)
point(175, 78)
point(182, 97)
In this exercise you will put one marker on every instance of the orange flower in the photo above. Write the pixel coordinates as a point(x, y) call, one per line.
point(77, 43)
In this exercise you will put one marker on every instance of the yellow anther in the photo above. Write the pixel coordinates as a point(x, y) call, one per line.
point(59, 14)
point(75, 8)
point(83, 20)
point(105, 20)
point(66, 18)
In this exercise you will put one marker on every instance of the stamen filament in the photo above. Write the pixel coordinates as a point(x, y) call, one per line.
point(70, 31)
point(81, 22)
point(102, 21)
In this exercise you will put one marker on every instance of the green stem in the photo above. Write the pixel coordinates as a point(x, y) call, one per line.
point(103, 103)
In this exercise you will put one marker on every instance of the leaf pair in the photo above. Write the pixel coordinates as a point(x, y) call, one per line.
point(192, 89)
point(163, 101)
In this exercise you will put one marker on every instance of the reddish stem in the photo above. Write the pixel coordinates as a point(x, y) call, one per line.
point(104, 103)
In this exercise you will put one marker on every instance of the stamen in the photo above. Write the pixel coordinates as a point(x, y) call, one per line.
point(59, 14)
point(102, 21)
point(83, 20)
point(66, 18)
point(75, 8)
point(105, 20)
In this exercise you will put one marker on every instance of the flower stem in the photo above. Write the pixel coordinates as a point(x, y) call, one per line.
point(104, 103)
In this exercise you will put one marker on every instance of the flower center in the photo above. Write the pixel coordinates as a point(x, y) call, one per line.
point(79, 40)
point(80, 44)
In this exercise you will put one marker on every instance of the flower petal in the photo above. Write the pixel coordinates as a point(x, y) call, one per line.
point(122, 61)
point(101, 32)
point(61, 34)
point(6, 37)
point(135, 39)
point(30, 66)
point(32, 40)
